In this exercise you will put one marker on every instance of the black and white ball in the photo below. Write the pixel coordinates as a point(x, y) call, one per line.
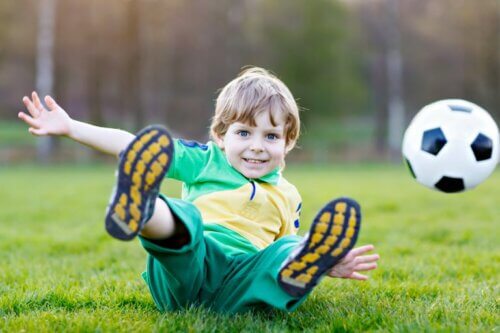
point(451, 145)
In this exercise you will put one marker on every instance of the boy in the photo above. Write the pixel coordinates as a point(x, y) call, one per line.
point(230, 244)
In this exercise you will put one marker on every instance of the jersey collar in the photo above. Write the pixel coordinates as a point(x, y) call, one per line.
point(271, 178)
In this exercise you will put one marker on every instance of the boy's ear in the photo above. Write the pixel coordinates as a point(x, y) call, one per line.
point(219, 141)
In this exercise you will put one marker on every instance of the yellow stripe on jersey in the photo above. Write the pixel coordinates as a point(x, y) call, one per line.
point(261, 215)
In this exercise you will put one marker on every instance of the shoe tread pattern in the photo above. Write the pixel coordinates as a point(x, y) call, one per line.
point(142, 167)
point(333, 234)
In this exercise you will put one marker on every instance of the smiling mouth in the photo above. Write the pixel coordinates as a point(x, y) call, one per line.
point(254, 161)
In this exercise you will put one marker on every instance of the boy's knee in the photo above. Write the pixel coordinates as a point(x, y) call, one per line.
point(177, 240)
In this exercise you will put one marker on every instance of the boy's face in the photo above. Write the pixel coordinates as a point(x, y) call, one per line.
point(255, 150)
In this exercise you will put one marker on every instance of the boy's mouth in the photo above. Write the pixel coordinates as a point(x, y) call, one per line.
point(254, 161)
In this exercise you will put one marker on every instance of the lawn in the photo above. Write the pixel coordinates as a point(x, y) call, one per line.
point(439, 267)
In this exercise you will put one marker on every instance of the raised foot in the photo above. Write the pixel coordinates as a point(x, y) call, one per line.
point(333, 234)
point(142, 167)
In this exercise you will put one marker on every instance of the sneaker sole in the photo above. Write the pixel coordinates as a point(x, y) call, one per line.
point(333, 234)
point(142, 167)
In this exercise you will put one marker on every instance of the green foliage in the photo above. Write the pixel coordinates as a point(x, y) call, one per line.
point(330, 140)
point(438, 269)
point(312, 47)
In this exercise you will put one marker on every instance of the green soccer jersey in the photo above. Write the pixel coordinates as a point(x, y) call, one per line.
point(257, 212)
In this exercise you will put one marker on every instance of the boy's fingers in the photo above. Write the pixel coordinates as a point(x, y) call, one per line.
point(37, 131)
point(367, 258)
point(36, 101)
point(357, 276)
point(28, 120)
point(361, 250)
point(30, 106)
point(51, 103)
point(365, 267)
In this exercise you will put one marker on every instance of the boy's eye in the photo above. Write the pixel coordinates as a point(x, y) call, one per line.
point(271, 137)
point(243, 133)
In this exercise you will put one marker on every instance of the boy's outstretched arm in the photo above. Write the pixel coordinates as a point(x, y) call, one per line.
point(55, 121)
point(354, 262)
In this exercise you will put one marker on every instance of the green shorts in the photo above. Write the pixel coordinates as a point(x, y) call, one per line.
point(214, 271)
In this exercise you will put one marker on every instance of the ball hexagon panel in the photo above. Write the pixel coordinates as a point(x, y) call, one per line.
point(433, 141)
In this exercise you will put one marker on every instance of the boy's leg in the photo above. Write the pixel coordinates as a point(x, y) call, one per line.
point(162, 223)
point(142, 167)
point(186, 268)
point(284, 273)
point(176, 265)
point(173, 235)
point(253, 280)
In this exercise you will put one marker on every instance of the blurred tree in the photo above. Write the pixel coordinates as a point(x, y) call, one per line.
point(374, 28)
point(5, 13)
point(5, 10)
point(45, 66)
point(133, 43)
point(203, 53)
point(481, 46)
point(126, 63)
point(450, 50)
point(95, 66)
point(310, 45)
point(394, 65)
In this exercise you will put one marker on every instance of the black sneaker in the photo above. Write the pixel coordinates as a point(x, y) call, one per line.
point(142, 167)
point(333, 234)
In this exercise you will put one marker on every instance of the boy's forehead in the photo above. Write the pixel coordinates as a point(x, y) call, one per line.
point(271, 120)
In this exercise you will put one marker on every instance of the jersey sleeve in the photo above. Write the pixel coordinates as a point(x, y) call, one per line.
point(189, 159)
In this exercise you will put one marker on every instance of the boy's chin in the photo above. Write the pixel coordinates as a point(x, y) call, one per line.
point(252, 174)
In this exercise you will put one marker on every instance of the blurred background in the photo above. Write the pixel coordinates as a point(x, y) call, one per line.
point(360, 69)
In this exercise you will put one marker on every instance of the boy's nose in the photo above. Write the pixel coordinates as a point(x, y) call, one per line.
point(257, 145)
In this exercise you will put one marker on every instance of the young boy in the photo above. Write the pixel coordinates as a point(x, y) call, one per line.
point(230, 243)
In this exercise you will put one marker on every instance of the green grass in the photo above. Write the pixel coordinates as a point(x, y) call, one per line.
point(439, 267)
point(15, 133)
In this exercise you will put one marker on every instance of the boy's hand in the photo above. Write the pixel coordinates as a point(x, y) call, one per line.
point(42, 121)
point(355, 261)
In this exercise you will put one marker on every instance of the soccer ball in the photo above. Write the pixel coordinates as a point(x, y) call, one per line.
point(451, 145)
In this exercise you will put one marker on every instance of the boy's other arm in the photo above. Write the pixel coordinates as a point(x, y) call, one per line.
point(58, 123)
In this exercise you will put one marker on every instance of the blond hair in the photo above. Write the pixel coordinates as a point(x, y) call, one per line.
point(253, 91)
